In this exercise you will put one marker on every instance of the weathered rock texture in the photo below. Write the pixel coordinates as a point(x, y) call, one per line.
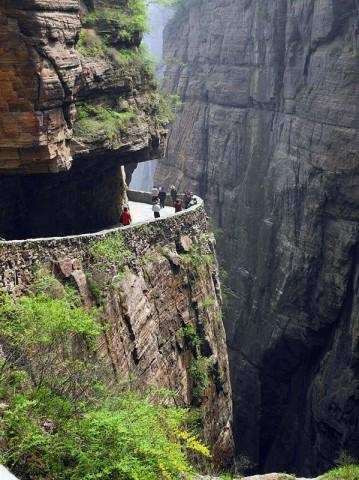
point(268, 135)
point(43, 73)
point(39, 68)
point(147, 302)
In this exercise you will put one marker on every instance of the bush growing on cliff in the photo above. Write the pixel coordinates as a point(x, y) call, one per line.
point(55, 425)
point(346, 472)
point(111, 250)
point(199, 371)
point(125, 437)
point(96, 121)
point(90, 44)
point(129, 20)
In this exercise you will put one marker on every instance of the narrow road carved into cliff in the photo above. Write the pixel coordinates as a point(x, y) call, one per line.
point(142, 212)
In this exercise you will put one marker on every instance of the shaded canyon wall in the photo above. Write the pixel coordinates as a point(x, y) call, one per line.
point(268, 135)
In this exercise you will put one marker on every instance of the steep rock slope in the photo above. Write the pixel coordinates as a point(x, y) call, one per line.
point(156, 293)
point(268, 135)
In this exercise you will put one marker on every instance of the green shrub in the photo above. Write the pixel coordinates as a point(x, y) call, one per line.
point(97, 121)
point(198, 257)
point(128, 21)
point(191, 337)
point(208, 302)
point(111, 250)
point(134, 61)
point(90, 44)
point(199, 370)
point(124, 437)
point(41, 320)
point(164, 107)
point(347, 472)
point(57, 425)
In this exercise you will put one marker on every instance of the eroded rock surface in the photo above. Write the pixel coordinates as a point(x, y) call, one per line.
point(160, 310)
point(268, 135)
point(39, 68)
point(58, 177)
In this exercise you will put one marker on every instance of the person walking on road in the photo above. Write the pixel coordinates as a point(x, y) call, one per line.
point(156, 208)
point(155, 193)
point(125, 218)
point(162, 196)
point(178, 206)
point(173, 193)
point(187, 199)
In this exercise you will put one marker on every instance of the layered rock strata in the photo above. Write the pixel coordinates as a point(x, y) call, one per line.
point(268, 135)
point(49, 68)
point(160, 309)
point(39, 68)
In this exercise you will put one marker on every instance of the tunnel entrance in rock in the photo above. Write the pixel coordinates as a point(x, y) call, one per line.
point(85, 199)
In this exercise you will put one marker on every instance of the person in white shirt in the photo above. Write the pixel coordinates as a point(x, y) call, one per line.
point(155, 193)
point(156, 208)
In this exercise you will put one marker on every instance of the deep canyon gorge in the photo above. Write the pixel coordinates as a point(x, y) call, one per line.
point(126, 351)
point(268, 136)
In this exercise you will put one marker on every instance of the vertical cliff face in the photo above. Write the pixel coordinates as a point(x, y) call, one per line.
point(268, 134)
point(78, 101)
point(156, 294)
point(38, 71)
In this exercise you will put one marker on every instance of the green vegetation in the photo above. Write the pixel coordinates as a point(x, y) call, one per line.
point(191, 337)
point(208, 302)
point(199, 371)
point(346, 472)
point(198, 257)
point(98, 121)
point(164, 107)
point(111, 250)
point(128, 21)
point(58, 419)
point(90, 44)
point(39, 320)
point(125, 437)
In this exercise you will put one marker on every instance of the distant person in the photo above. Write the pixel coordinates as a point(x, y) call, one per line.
point(162, 196)
point(156, 208)
point(155, 193)
point(187, 199)
point(173, 193)
point(125, 218)
point(192, 202)
point(178, 206)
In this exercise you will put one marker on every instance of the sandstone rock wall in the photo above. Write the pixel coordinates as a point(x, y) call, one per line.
point(268, 135)
point(39, 68)
point(147, 302)
point(44, 76)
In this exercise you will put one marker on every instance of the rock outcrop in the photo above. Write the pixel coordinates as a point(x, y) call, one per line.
point(78, 102)
point(268, 135)
point(158, 292)
point(39, 68)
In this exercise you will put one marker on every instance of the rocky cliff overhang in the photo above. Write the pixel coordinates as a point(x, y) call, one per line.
point(42, 75)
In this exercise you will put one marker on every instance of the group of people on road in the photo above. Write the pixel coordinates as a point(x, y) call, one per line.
point(179, 202)
point(159, 197)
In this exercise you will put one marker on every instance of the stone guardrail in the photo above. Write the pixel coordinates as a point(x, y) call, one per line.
point(133, 196)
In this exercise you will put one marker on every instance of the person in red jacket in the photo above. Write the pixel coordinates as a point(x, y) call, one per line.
point(178, 206)
point(125, 218)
